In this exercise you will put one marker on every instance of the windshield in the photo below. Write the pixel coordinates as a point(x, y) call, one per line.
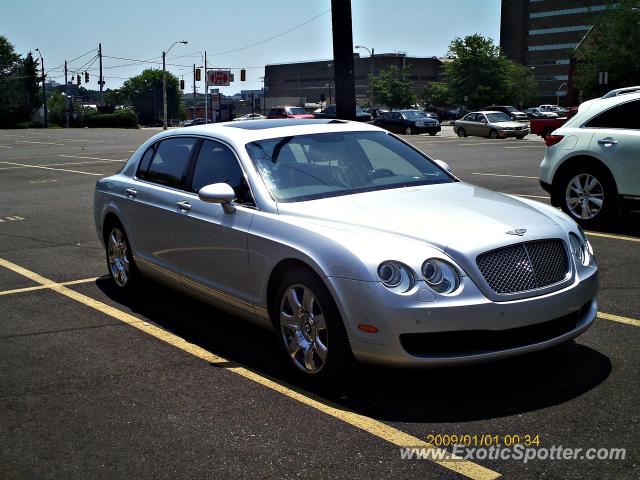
point(296, 111)
point(307, 167)
point(410, 114)
point(511, 109)
point(498, 117)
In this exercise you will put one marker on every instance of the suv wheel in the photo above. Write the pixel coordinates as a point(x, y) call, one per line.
point(587, 195)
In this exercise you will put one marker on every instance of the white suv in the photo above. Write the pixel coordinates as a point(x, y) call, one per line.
point(592, 163)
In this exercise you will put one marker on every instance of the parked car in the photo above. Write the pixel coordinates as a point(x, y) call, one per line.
point(537, 113)
point(249, 116)
point(288, 112)
point(548, 108)
point(544, 126)
point(195, 121)
point(330, 112)
point(376, 112)
point(408, 122)
point(347, 242)
point(489, 124)
point(591, 166)
point(513, 112)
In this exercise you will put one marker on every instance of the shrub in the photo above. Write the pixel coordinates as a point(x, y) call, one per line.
point(122, 118)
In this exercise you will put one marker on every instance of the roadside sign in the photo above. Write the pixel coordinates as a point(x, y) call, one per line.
point(219, 77)
point(603, 78)
point(215, 101)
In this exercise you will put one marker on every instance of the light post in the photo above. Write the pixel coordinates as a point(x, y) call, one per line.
point(563, 84)
point(164, 82)
point(370, 75)
point(44, 90)
point(264, 100)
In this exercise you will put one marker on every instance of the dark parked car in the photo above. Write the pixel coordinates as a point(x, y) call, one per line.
point(330, 112)
point(409, 122)
point(513, 112)
point(288, 112)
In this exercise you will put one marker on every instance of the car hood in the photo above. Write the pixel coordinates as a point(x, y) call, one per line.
point(453, 217)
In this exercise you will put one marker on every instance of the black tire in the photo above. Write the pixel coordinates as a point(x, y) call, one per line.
point(461, 132)
point(493, 134)
point(408, 131)
point(433, 134)
point(339, 358)
point(607, 190)
point(115, 267)
point(520, 137)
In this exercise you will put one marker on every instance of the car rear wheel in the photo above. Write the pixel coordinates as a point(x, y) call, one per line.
point(588, 195)
point(408, 131)
point(461, 132)
point(309, 328)
point(122, 268)
point(520, 137)
point(493, 134)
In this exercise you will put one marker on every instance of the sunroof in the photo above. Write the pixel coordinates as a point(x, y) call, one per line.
point(284, 122)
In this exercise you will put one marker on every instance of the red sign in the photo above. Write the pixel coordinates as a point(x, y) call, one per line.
point(219, 77)
point(215, 101)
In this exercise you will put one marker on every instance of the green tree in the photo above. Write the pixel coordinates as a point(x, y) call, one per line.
point(523, 84)
point(613, 47)
point(144, 92)
point(392, 89)
point(477, 71)
point(437, 94)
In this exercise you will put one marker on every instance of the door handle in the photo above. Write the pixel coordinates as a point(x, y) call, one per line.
point(131, 192)
point(184, 205)
point(607, 142)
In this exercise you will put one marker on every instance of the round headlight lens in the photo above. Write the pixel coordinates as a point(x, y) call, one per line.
point(440, 275)
point(579, 249)
point(396, 277)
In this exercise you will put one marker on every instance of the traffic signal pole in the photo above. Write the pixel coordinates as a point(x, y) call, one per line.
point(164, 91)
point(345, 90)
point(100, 80)
point(66, 95)
point(206, 89)
point(193, 111)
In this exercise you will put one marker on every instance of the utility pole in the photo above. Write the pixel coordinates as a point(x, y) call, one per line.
point(44, 90)
point(66, 95)
point(345, 89)
point(100, 80)
point(206, 88)
point(193, 110)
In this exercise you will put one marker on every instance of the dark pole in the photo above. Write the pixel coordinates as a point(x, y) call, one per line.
point(252, 104)
point(345, 90)
point(44, 91)
point(66, 97)
point(193, 110)
point(164, 91)
point(100, 80)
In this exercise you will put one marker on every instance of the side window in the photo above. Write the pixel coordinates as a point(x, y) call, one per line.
point(396, 116)
point(146, 160)
point(472, 117)
point(168, 165)
point(217, 164)
point(626, 115)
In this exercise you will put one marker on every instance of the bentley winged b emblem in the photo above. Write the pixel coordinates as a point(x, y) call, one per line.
point(516, 231)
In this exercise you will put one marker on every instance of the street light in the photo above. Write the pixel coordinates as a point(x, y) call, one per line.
point(164, 82)
point(371, 75)
point(264, 98)
point(44, 90)
point(563, 84)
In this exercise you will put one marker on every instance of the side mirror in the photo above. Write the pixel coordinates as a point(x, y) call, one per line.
point(483, 120)
point(221, 193)
point(444, 165)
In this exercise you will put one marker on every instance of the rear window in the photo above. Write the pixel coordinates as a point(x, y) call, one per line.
point(296, 111)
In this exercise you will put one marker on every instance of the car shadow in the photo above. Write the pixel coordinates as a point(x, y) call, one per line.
point(625, 224)
point(435, 395)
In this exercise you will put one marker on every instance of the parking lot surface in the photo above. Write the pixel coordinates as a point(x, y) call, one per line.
point(94, 383)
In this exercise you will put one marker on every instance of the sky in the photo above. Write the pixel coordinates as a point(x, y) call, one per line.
point(142, 29)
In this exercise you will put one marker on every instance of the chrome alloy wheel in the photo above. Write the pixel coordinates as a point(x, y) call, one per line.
point(584, 196)
point(118, 255)
point(303, 329)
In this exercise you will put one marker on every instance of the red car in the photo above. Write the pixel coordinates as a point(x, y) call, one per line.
point(288, 112)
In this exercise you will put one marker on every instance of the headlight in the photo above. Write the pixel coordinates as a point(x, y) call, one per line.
point(581, 248)
point(396, 277)
point(440, 275)
point(419, 124)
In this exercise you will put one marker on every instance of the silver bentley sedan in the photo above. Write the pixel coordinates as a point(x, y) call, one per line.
point(348, 242)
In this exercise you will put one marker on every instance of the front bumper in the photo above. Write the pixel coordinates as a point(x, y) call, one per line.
point(428, 129)
point(464, 328)
point(513, 133)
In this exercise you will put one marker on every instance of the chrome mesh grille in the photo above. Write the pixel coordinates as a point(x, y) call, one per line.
point(525, 266)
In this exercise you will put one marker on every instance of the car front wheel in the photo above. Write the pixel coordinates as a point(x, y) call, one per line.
point(408, 131)
point(309, 328)
point(461, 132)
point(586, 195)
point(493, 134)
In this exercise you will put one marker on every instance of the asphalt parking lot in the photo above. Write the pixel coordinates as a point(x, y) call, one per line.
point(158, 385)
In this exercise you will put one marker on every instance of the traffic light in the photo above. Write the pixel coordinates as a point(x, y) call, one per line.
point(86, 77)
point(243, 75)
point(78, 80)
point(181, 84)
point(197, 74)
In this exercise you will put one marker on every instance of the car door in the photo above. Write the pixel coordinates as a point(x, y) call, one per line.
point(481, 125)
point(470, 124)
point(151, 208)
point(616, 141)
point(212, 244)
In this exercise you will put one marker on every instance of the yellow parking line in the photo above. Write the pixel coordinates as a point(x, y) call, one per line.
point(502, 175)
point(616, 237)
point(369, 425)
point(618, 318)
point(41, 287)
point(51, 168)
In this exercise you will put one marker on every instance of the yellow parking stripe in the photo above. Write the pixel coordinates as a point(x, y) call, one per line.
point(374, 427)
point(41, 287)
point(616, 237)
point(618, 318)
